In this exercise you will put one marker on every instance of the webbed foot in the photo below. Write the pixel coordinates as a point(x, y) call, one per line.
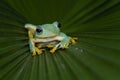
point(37, 51)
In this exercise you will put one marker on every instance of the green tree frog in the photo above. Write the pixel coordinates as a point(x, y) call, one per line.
point(47, 36)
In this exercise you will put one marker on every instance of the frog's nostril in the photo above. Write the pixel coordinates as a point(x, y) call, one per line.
point(39, 30)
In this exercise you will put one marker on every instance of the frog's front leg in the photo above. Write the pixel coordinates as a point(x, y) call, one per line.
point(63, 43)
point(33, 49)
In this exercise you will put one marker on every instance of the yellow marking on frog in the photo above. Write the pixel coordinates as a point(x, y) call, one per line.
point(73, 40)
point(50, 46)
point(39, 51)
point(34, 53)
point(65, 47)
point(30, 35)
point(53, 50)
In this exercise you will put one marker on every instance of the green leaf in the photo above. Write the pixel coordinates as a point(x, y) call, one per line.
point(96, 55)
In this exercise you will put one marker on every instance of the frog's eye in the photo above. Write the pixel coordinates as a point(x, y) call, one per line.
point(59, 25)
point(39, 30)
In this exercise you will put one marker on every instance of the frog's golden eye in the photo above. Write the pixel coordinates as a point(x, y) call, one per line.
point(59, 25)
point(39, 30)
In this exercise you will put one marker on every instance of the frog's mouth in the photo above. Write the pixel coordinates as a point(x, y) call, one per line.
point(48, 39)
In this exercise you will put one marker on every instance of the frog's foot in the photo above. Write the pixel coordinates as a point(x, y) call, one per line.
point(39, 46)
point(65, 47)
point(34, 53)
point(73, 40)
point(37, 51)
point(53, 50)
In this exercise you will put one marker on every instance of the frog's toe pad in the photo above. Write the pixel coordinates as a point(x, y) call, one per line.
point(39, 51)
point(34, 53)
point(50, 46)
point(53, 50)
point(73, 40)
point(65, 47)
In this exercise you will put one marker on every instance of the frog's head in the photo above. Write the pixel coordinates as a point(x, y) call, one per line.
point(45, 30)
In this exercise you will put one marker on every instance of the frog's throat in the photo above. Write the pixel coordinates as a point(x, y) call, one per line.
point(58, 38)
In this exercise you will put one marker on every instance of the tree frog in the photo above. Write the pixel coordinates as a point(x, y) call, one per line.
point(47, 36)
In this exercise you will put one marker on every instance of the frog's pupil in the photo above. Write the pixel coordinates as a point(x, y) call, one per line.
point(39, 30)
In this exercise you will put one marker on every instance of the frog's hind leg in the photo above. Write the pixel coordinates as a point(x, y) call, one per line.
point(52, 44)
